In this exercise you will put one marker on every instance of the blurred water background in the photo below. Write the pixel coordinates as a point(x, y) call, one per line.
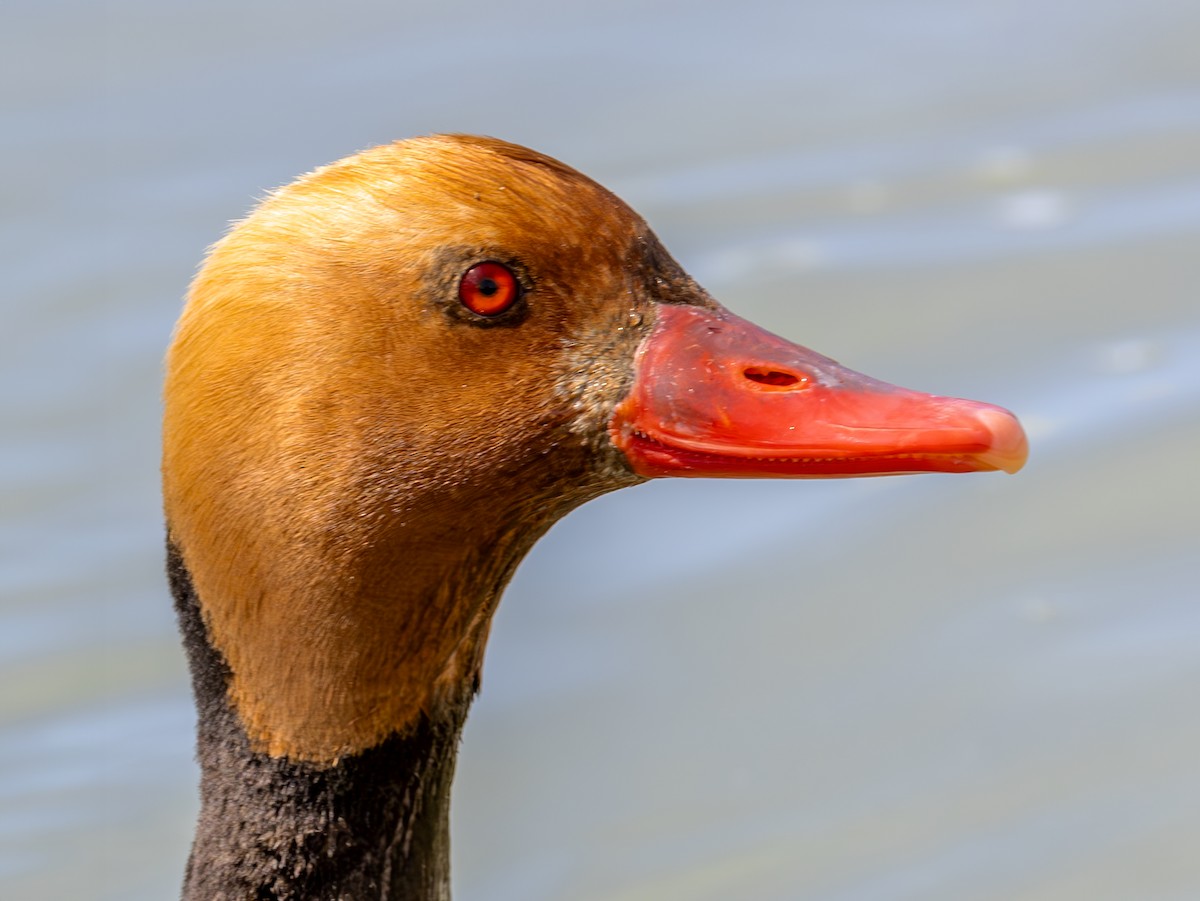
point(942, 687)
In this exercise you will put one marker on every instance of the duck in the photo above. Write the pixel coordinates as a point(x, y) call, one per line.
point(387, 382)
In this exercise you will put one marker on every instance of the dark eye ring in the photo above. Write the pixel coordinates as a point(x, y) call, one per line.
point(489, 288)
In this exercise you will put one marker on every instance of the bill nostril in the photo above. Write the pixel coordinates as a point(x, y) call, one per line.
point(774, 378)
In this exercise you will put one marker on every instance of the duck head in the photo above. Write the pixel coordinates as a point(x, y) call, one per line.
point(400, 370)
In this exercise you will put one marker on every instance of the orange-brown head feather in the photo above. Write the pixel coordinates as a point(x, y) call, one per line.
point(353, 463)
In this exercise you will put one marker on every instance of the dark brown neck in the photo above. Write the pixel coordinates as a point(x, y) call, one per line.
point(371, 826)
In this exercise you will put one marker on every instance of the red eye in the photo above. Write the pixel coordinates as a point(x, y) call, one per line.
point(489, 288)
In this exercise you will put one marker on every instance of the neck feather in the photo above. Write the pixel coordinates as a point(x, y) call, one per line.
point(373, 825)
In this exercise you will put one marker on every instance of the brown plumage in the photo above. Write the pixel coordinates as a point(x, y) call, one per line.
point(341, 421)
point(354, 463)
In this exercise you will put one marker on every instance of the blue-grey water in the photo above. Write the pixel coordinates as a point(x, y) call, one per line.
point(958, 688)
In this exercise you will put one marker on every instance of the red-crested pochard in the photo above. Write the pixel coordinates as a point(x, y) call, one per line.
point(387, 383)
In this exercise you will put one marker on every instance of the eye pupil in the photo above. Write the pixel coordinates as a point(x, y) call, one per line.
point(489, 288)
